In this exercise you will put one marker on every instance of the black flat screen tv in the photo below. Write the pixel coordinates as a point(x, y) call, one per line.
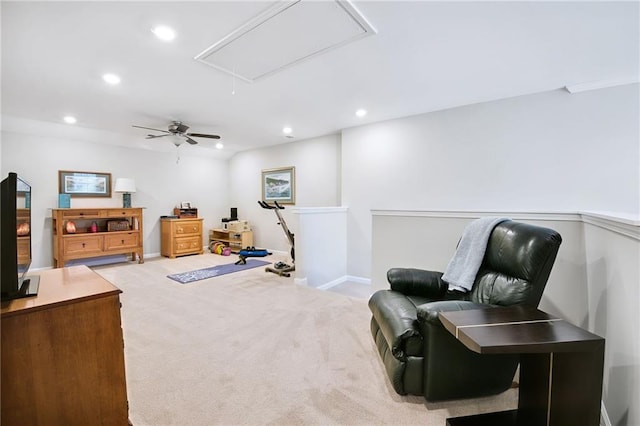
point(15, 239)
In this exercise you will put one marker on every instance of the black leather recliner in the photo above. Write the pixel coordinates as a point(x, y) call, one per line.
point(419, 355)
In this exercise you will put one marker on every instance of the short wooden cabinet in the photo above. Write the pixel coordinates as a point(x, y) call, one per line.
point(236, 240)
point(180, 237)
point(62, 353)
point(124, 238)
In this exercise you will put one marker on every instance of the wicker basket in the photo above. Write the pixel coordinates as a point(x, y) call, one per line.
point(118, 225)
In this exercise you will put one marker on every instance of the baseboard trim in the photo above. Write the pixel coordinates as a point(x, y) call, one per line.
point(359, 280)
point(344, 279)
point(604, 416)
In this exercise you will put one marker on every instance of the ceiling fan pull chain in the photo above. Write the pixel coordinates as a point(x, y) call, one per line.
point(233, 80)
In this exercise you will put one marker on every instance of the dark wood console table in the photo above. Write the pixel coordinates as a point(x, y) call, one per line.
point(561, 365)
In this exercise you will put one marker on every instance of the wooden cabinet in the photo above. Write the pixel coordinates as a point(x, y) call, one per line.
point(62, 353)
point(236, 240)
point(84, 243)
point(179, 237)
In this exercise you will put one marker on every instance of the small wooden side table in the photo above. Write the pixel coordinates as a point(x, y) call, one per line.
point(561, 365)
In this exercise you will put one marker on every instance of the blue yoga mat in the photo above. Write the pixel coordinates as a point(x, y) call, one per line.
point(215, 271)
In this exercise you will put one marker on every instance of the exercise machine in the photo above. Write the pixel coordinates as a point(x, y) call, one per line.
point(281, 268)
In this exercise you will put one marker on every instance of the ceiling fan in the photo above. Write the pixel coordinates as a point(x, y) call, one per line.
point(176, 128)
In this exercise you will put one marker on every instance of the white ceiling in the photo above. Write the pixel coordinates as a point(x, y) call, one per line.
point(426, 56)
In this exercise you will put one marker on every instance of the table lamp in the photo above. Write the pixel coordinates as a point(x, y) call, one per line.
point(126, 186)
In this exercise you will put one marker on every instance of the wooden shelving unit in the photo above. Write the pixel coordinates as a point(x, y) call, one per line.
point(86, 244)
point(236, 240)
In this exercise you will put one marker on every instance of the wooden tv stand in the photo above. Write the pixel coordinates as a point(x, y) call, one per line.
point(62, 353)
point(85, 244)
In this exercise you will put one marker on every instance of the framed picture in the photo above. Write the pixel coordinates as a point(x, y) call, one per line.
point(279, 185)
point(84, 184)
point(185, 205)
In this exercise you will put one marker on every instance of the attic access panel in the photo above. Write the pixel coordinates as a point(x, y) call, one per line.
point(286, 34)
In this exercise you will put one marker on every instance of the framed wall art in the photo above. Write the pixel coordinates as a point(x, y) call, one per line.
point(279, 185)
point(84, 184)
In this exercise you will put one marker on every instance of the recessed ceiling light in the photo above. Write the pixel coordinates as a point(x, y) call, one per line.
point(361, 112)
point(287, 130)
point(111, 78)
point(164, 33)
point(70, 119)
point(219, 145)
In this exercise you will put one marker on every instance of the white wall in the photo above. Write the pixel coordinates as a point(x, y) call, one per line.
point(613, 280)
point(321, 245)
point(551, 151)
point(317, 175)
point(160, 183)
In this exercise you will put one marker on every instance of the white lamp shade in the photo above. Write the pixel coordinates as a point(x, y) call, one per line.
point(126, 185)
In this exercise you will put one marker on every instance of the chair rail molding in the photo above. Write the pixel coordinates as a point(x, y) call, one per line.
point(619, 223)
point(474, 214)
point(319, 210)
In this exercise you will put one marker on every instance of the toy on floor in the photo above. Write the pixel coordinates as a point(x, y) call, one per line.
point(219, 248)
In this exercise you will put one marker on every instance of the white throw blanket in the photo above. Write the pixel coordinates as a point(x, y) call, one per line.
point(463, 266)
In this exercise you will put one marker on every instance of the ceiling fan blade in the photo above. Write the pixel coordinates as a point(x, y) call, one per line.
point(149, 128)
point(191, 141)
point(156, 136)
point(203, 135)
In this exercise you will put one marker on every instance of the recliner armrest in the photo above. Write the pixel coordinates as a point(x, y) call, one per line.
point(428, 312)
point(395, 314)
point(417, 282)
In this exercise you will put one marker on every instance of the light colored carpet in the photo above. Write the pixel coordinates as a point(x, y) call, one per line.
point(252, 348)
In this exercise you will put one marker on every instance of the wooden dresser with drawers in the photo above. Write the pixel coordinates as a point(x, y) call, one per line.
point(179, 237)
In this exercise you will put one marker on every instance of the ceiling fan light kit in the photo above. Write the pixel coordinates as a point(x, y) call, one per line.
point(179, 134)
